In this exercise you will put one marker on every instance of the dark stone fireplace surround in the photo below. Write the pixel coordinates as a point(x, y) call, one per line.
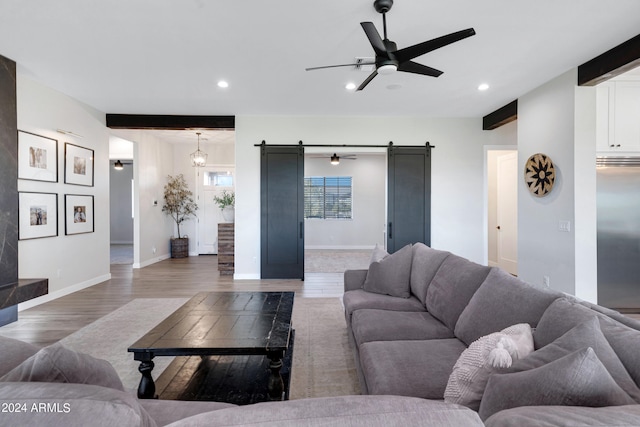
point(12, 290)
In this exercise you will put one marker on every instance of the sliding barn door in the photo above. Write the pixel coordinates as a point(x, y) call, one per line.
point(409, 192)
point(282, 212)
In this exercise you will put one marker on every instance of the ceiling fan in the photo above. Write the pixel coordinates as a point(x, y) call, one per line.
point(389, 59)
point(335, 159)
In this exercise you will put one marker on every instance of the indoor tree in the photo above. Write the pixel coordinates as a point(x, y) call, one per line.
point(178, 200)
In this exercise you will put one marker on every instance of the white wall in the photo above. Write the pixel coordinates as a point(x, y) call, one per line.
point(366, 227)
point(75, 261)
point(546, 125)
point(586, 221)
point(458, 196)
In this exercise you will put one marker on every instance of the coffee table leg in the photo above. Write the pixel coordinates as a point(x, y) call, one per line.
point(276, 385)
point(146, 388)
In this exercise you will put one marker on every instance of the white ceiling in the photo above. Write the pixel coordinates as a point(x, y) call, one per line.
point(165, 56)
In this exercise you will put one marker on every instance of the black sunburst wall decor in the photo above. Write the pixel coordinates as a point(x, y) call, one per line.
point(539, 174)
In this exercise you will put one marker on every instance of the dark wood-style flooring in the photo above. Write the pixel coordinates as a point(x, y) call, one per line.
point(173, 278)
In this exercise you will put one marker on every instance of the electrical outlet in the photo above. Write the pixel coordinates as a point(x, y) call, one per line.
point(564, 226)
point(153, 249)
point(545, 281)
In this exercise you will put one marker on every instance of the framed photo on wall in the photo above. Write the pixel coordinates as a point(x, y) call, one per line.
point(37, 157)
point(78, 165)
point(37, 215)
point(78, 213)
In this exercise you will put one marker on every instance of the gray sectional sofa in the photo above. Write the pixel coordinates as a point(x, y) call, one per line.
point(412, 314)
point(411, 317)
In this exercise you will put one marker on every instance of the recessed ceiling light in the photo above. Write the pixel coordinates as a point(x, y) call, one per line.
point(483, 87)
point(223, 84)
point(394, 86)
point(350, 86)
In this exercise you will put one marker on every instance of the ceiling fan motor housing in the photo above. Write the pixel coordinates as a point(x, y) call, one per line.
point(382, 6)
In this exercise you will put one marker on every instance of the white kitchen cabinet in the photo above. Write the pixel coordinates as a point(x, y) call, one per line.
point(618, 116)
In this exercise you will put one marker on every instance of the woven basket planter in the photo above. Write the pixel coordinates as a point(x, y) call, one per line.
point(180, 247)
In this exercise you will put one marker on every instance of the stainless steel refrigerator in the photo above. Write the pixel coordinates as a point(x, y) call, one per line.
point(618, 201)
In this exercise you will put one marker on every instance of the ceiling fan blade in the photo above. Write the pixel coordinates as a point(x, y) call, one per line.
point(368, 80)
point(415, 68)
point(374, 38)
point(408, 53)
point(341, 65)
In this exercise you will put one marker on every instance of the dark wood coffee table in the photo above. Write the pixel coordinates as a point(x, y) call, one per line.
point(221, 323)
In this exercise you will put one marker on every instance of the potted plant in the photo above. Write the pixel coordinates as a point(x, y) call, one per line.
point(179, 205)
point(226, 202)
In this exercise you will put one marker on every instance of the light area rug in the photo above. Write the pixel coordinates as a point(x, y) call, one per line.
point(110, 336)
point(322, 360)
point(336, 260)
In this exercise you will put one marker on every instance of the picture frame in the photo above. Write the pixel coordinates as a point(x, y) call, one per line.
point(37, 215)
point(78, 165)
point(79, 214)
point(37, 157)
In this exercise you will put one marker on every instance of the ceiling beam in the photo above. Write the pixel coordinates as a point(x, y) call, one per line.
point(501, 116)
point(153, 121)
point(620, 59)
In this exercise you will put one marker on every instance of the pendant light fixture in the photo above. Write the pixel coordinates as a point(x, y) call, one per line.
point(335, 160)
point(198, 157)
point(118, 165)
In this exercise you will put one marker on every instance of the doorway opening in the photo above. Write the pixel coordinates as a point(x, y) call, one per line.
point(121, 196)
point(349, 216)
point(502, 208)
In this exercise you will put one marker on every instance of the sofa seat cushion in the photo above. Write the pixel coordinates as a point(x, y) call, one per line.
point(390, 275)
point(13, 352)
point(409, 368)
point(69, 405)
point(386, 325)
point(166, 412)
point(500, 301)
point(566, 416)
point(578, 379)
point(58, 364)
point(424, 266)
point(452, 287)
point(354, 411)
point(562, 315)
point(359, 299)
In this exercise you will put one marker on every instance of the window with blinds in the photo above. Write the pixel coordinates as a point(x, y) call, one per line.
point(328, 197)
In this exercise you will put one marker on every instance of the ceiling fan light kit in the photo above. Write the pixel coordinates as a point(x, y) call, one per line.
point(389, 59)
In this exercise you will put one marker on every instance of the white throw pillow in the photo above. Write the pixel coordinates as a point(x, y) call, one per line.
point(471, 372)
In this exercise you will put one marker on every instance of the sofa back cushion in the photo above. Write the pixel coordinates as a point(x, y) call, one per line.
point(562, 315)
point(502, 300)
point(13, 352)
point(425, 265)
point(390, 275)
point(452, 287)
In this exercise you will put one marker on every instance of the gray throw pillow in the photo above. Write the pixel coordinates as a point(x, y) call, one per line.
point(390, 276)
point(586, 334)
point(578, 379)
point(58, 364)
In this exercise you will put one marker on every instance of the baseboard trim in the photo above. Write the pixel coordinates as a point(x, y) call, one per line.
point(63, 292)
point(237, 276)
point(151, 261)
